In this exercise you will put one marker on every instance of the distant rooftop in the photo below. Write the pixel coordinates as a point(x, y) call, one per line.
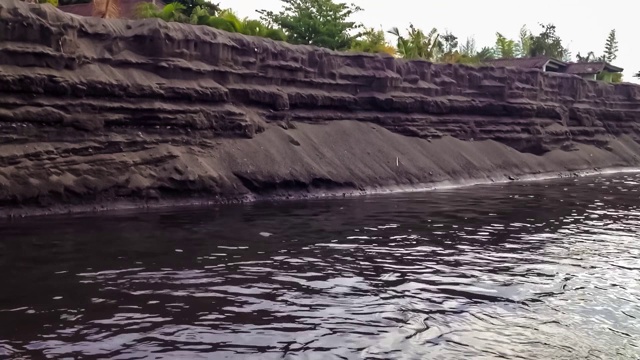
point(591, 68)
point(551, 64)
point(527, 63)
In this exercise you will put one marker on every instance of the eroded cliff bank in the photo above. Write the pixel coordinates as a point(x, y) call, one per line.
point(99, 113)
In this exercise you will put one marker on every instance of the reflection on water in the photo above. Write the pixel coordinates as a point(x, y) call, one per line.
point(522, 271)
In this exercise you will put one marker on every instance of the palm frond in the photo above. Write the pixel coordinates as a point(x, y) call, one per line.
point(222, 24)
point(394, 31)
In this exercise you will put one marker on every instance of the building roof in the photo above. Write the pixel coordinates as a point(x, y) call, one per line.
point(127, 8)
point(591, 68)
point(527, 63)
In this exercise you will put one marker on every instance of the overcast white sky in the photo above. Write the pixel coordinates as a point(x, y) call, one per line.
point(582, 25)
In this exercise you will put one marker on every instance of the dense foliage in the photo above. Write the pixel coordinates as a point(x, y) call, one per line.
point(191, 5)
point(329, 24)
point(547, 43)
point(322, 23)
point(373, 41)
point(209, 15)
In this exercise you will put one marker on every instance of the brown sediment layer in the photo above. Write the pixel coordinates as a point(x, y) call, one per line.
point(95, 113)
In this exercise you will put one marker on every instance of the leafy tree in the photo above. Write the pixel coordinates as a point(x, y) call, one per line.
point(373, 41)
point(190, 5)
point(417, 45)
point(450, 42)
point(474, 58)
point(547, 43)
point(469, 51)
point(315, 22)
point(469, 47)
point(525, 41)
point(610, 51)
point(611, 47)
point(449, 45)
point(506, 48)
point(567, 56)
point(485, 54)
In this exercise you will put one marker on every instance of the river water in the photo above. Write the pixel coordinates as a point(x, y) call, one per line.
point(539, 270)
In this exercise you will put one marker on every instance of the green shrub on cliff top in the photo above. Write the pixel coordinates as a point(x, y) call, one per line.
point(228, 20)
point(373, 41)
point(225, 20)
point(171, 12)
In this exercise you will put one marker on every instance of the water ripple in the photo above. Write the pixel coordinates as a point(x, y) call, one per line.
point(521, 271)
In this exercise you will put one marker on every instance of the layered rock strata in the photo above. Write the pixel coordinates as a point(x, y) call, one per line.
point(99, 112)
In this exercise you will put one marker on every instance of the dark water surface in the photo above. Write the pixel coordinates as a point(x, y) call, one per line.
point(546, 270)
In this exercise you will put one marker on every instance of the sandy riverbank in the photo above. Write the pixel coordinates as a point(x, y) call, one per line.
point(105, 114)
